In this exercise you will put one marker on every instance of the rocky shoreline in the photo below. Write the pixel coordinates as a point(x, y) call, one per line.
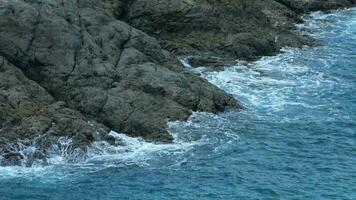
point(80, 68)
point(214, 33)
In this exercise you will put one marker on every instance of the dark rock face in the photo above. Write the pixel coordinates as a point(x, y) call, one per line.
point(229, 29)
point(99, 68)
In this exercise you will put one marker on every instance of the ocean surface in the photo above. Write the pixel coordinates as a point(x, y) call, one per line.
point(296, 139)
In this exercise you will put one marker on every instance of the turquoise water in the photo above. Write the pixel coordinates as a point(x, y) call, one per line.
point(295, 140)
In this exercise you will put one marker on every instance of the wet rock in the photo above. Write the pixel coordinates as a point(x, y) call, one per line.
point(214, 63)
point(11, 159)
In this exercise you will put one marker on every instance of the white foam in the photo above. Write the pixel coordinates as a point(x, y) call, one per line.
point(130, 151)
point(270, 82)
point(136, 150)
point(184, 61)
point(63, 152)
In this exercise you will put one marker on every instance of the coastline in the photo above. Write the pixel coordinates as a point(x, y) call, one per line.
point(76, 85)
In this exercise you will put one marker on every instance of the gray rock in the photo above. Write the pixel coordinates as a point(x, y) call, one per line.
point(28, 113)
point(102, 69)
point(229, 29)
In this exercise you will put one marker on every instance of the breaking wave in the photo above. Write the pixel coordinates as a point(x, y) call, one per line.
point(130, 151)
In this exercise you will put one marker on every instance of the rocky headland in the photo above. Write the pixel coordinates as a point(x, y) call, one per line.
point(80, 68)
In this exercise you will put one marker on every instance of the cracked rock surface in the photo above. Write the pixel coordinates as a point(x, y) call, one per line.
point(29, 114)
point(71, 69)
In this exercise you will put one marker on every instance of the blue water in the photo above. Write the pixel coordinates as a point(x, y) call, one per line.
point(296, 139)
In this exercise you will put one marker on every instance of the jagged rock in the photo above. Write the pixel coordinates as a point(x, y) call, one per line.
point(101, 68)
point(28, 113)
point(229, 29)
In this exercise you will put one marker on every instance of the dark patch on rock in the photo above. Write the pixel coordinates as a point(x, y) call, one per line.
point(215, 63)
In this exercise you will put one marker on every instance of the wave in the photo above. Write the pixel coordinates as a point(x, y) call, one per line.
point(130, 151)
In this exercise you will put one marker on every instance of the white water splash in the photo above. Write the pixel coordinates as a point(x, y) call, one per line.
point(269, 82)
point(136, 150)
point(99, 155)
point(63, 152)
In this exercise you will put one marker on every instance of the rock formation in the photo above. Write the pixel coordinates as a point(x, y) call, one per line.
point(216, 31)
point(65, 63)
point(80, 68)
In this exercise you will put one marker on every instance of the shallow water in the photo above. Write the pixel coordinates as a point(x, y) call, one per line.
point(295, 140)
